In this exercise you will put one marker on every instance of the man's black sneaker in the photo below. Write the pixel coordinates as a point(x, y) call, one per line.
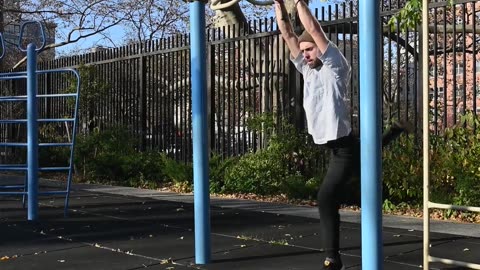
point(330, 264)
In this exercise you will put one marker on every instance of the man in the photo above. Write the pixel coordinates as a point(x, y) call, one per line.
point(326, 75)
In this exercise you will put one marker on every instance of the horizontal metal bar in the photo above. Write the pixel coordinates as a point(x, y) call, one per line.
point(18, 73)
point(57, 70)
point(14, 98)
point(13, 168)
point(49, 169)
point(23, 121)
point(23, 97)
point(12, 187)
point(54, 144)
point(453, 262)
point(13, 144)
point(57, 120)
point(40, 144)
point(453, 207)
point(11, 121)
point(53, 192)
point(23, 74)
point(13, 192)
point(57, 95)
point(42, 169)
point(13, 77)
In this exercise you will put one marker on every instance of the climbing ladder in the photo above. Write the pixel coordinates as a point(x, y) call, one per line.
point(29, 189)
point(427, 204)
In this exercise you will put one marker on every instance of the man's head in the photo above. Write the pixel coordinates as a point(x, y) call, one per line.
point(310, 50)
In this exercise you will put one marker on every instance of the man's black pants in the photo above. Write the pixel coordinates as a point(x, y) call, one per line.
point(344, 163)
point(344, 160)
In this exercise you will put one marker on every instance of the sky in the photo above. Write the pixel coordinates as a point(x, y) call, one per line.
point(116, 34)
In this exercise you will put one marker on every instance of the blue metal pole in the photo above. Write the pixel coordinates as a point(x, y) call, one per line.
point(370, 134)
point(32, 133)
point(199, 126)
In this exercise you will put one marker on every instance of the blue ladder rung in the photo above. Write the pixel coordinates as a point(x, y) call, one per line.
point(13, 193)
point(12, 187)
point(23, 121)
point(13, 144)
point(53, 192)
point(13, 77)
point(11, 121)
point(16, 74)
point(14, 98)
point(49, 169)
point(54, 144)
point(57, 95)
point(13, 168)
point(57, 120)
point(24, 98)
point(40, 144)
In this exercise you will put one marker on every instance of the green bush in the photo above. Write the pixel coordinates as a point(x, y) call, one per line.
point(53, 156)
point(454, 167)
point(283, 167)
point(292, 165)
point(110, 156)
point(217, 169)
point(261, 173)
point(178, 173)
point(402, 171)
point(455, 163)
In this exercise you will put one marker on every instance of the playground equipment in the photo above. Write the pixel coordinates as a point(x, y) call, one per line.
point(369, 33)
point(372, 258)
point(30, 188)
point(427, 204)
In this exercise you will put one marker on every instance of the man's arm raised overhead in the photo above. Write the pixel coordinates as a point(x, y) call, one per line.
point(286, 29)
point(312, 26)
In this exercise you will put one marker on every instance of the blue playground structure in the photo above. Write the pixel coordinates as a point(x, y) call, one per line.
point(370, 130)
point(30, 103)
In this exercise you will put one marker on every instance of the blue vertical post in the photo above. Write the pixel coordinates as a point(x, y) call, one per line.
point(200, 133)
point(32, 133)
point(370, 134)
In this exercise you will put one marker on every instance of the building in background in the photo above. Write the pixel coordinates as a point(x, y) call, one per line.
point(455, 67)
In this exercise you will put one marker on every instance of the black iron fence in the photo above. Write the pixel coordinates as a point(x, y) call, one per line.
point(145, 87)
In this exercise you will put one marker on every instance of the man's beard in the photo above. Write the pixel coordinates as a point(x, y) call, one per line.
point(314, 64)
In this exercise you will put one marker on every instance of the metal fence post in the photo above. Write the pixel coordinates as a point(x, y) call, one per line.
point(32, 133)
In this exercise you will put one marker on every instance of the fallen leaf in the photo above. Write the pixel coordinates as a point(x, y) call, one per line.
point(165, 261)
